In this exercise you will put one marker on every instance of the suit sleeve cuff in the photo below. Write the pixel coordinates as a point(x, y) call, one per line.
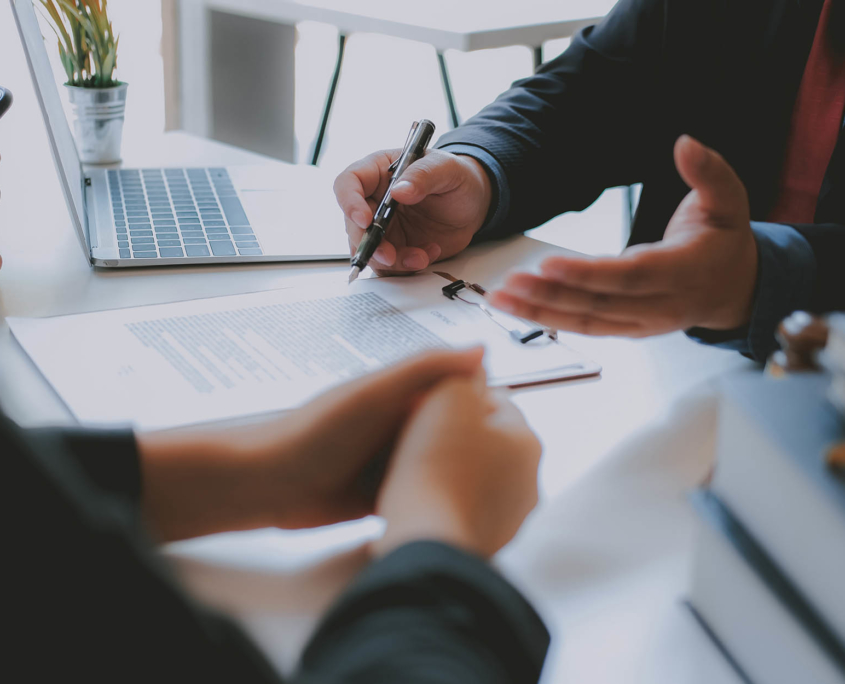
point(785, 277)
point(109, 458)
point(493, 226)
point(468, 606)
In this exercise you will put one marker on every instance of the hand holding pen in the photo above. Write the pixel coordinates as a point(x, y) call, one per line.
point(441, 200)
point(415, 147)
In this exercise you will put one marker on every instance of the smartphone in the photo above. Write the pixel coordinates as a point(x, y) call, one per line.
point(5, 100)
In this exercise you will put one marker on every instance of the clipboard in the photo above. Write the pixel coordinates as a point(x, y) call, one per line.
point(528, 336)
point(168, 365)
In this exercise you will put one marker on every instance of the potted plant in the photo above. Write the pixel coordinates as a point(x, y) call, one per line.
point(88, 50)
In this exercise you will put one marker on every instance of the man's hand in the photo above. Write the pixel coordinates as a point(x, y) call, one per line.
point(444, 199)
point(464, 471)
point(703, 272)
point(304, 470)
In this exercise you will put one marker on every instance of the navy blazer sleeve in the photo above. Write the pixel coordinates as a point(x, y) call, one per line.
point(828, 243)
point(88, 597)
point(564, 135)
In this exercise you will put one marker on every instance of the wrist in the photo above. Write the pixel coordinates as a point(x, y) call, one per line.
point(193, 486)
point(481, 178)
point(738, 304)
point(431, 520)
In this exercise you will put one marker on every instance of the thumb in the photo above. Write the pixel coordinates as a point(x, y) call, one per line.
point(390, 389)
point(434, 174)
point(720, 191)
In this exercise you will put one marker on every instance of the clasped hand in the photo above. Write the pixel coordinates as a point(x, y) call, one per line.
point(456, 452)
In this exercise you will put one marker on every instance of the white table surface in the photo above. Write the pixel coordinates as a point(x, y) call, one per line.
point(604, 558)
point(446, 24)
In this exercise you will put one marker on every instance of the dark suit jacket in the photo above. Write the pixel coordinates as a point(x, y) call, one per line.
point(87, 599)
point(608, 111)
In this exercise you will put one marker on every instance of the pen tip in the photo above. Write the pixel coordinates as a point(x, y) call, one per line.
point(353, 274)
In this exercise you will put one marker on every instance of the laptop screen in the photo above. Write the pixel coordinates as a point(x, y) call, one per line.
point(61, 139)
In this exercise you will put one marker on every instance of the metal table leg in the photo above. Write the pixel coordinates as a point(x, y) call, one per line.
point(327, 110)
point(630, 208)
point(538, 57)
point(447, 89)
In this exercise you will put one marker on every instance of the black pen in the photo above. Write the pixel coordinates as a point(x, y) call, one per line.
point(415, 147)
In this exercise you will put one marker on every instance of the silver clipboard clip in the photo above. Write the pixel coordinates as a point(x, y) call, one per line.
point(522, 335)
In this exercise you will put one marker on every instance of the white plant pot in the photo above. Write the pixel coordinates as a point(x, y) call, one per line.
point(99, 122)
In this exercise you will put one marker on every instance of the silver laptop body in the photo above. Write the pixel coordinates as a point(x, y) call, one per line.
point(179, 216)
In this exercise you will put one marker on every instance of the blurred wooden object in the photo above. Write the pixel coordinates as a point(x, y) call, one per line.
point(801, 336)
point(836, 456)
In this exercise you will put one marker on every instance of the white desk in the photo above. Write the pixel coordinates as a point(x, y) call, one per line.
point(232, 61)
point(605, 556)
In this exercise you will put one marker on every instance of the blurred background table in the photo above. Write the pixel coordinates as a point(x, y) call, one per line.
point(230, 64)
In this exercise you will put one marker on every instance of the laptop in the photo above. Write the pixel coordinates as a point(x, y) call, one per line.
point(174, 216)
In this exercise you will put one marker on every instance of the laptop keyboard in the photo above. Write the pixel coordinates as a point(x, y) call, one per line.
point(162, 213)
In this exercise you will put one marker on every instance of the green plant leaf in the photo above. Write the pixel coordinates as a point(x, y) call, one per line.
point(60, 30)
point(86, 39)
point(68, 64)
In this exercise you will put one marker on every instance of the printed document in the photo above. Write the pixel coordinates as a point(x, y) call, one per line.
point(212, 359)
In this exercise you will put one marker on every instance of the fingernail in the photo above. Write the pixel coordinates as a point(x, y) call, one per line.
point(360, 219)
point(433, 252)
point(519, 288)
point(414, 262)
point(555, 271)
point(403, 186)
point(478, 349)
point(502, 303)
point(381, 256)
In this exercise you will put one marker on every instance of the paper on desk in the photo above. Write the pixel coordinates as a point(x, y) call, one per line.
point(212, 359)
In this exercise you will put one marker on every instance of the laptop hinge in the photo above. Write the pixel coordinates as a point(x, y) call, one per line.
point(93, 243)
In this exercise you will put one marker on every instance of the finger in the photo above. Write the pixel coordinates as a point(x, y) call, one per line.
point(410, 260)
point(369, 411)
point(416, 258)
point(585, 324)
point(643, 270)
point(552, 294)
point(479, 380)
point(508, 416)
point(385, 255)
point(419, 374)
point(706, 171)
point(467, 396)
point(436, 173)
point(360, 181)
point(485, 400)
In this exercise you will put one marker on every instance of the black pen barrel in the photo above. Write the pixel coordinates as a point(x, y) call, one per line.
point(368, 246)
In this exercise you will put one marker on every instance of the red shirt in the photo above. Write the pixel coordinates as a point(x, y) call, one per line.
point(816, 126)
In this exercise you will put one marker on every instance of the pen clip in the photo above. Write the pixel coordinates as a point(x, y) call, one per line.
point(392, 168)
